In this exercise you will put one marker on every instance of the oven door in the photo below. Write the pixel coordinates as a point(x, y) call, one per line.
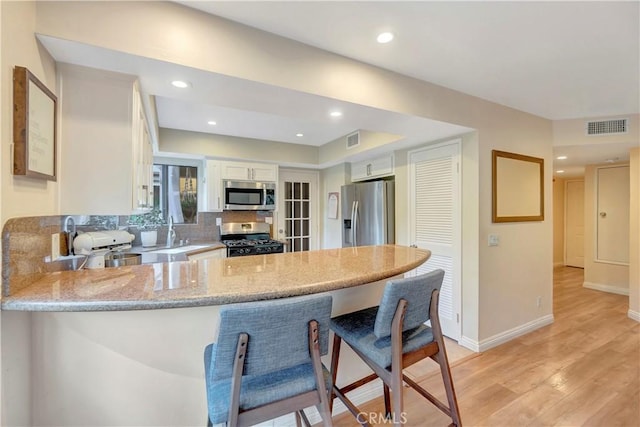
point(248, 196)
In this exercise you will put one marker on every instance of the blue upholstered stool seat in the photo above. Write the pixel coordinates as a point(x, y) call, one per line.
point(258, 390)
point(266, 361)
point(391, 337)
point(357, 330)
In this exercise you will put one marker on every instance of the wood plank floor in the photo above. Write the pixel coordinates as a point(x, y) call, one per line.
point(583, 370)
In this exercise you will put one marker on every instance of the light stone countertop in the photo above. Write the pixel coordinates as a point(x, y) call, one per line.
point(214, 281)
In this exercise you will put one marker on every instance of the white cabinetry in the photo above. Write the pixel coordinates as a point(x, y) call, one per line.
point(214, 253)
point(249, 171)
point(375, 168)
point(106, 155)
point(212, 197)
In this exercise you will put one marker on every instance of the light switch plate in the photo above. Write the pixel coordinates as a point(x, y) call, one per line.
point(55, 246)
point(494, 240)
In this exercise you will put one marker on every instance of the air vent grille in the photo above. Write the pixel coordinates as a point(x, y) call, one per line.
point(353, 140)
point(607, 127)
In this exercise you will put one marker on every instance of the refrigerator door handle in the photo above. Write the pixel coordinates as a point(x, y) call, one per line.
point(354, 223)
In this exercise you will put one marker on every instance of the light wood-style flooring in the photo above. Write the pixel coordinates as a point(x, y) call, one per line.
point(582, 370)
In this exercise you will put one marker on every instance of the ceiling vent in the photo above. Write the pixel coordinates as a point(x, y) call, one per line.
point(353, 140)
point(607, 127)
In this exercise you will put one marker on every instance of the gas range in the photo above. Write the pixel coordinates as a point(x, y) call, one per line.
point(248, 238)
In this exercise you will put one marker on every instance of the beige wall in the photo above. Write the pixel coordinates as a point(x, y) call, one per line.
point(558, 221)
point(331, 179)
point(598, 275)
point(19, 196)
point(510, 276)
point(634, 233)
point(233, 148)
point(572, 132)
point(23, 196)
point(500, 284)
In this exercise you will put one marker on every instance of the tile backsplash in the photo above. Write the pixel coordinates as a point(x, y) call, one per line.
point(26, 241)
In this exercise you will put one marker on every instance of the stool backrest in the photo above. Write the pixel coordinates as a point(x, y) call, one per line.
point(278, 334)
point(416, 291)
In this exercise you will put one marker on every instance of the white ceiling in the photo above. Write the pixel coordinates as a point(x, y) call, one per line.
point(558, 60)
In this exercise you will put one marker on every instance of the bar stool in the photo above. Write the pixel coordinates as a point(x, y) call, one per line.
point(266, 361)
point(393, 336)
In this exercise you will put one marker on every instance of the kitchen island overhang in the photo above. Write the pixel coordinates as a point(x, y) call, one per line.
point(214, 281)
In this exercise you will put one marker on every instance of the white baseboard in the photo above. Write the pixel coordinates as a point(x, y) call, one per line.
point(469, 343)
point(606, 288)
point(503, 337)
point(635, 315)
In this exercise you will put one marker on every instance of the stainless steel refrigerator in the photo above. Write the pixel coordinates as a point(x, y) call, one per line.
point(368, 213)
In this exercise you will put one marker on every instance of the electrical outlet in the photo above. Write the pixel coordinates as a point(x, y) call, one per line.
point(218, 221)
point(494, 240)
point(55, 246)
point(268, 219)
point(539, 302)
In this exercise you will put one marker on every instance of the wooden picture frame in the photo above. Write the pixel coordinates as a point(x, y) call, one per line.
point(517, 187)
point(34, 127)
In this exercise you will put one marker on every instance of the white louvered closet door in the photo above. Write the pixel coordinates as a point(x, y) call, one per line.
point(434, 218)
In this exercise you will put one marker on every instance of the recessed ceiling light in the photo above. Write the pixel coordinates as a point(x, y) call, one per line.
point(560, 171)
point(299, 135)
point(335, 114)
point(612, 160)
point(180, 84)
point(561, 158)
point(211, 122)
point(385, 37)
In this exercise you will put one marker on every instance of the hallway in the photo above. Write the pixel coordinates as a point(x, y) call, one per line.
point(582, 370)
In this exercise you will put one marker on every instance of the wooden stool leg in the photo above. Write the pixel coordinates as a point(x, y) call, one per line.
point(335, 354)
point(387, 402)
point(441, 358)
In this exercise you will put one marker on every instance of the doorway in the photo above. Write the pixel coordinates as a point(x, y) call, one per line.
point(574, 223)
point(435, 222)
point(298, 209)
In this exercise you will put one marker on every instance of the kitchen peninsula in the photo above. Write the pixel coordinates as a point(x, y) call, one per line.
point(214, 281)
point(124, 346)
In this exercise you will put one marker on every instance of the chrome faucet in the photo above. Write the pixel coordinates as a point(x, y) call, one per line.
point(70, 232)
point(171, 233)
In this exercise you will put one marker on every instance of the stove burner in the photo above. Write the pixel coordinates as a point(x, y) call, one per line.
point(240, 247)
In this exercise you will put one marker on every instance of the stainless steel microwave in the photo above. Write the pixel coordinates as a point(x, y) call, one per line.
point(249, 196)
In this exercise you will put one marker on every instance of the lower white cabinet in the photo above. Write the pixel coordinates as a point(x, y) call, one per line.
point(220, 252)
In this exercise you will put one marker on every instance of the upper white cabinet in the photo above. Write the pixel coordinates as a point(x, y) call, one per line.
point(376, 168)
point(249, 171)
point(106, 154)
point(211, 196)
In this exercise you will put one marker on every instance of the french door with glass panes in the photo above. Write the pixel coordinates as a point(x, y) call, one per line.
point(297, 208)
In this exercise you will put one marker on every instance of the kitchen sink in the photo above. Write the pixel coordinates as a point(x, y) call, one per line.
point(178, 249)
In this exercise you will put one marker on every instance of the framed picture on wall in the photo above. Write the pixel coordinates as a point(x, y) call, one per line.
point(517, 187)
point(34, 127)
point(333, 203)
